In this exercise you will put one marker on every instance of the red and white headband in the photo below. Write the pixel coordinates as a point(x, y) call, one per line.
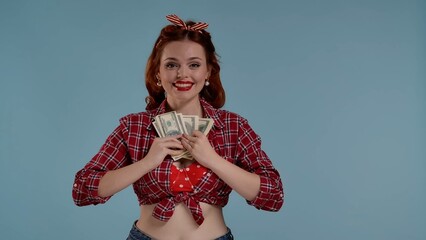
point(179, 22)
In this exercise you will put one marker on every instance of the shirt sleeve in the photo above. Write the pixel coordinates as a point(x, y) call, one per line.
point(252, 158)
point(112, 155)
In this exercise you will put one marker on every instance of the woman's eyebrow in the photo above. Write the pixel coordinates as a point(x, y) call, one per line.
point(175, 59)
point(170, 58)
point(195, 58)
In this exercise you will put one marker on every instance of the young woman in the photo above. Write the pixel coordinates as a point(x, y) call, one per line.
point(182, 198)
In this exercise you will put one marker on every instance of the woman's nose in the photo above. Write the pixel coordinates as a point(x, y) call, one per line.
point(182, 72)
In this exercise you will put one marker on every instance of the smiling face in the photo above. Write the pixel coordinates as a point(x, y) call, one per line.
point(183, 72)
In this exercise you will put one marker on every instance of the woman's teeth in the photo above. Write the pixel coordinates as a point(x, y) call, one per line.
point(183, 85)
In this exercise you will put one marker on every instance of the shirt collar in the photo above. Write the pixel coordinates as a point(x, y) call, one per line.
point(211, 112)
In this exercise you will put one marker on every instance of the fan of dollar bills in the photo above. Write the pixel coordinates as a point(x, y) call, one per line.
point(173, 123)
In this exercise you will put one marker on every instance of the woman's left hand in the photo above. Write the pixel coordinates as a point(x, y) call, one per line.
point(199, 147)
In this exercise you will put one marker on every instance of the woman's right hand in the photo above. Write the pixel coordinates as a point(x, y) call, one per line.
point(116, 180)
point(161, 147)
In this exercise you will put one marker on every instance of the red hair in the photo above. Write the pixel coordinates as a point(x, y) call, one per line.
point(213, 94)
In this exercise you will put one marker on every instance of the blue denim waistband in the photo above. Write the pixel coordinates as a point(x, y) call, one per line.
point(137, 234)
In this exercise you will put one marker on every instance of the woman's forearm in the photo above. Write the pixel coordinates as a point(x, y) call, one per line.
point(117, 180)
point(244, 183)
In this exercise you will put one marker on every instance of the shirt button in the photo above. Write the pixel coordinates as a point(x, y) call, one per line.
point(181, 186)
point(75, 185)
point(187, 169)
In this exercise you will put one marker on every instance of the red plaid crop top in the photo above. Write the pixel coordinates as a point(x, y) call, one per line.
point(232, 138)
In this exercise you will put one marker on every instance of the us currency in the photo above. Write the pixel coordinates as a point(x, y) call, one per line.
point(169, 124)
point(158, 128)
point(204, 125)
point(191, 123)
point(173, 123)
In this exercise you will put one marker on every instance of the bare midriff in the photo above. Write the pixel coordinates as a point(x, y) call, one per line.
point(182, 226)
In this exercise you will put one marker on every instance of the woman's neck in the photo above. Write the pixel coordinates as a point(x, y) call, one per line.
point(186, 108)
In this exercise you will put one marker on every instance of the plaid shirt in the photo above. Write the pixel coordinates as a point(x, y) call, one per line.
point(232, 138)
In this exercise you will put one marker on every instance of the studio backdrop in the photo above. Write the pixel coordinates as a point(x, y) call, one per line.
point(335, 89)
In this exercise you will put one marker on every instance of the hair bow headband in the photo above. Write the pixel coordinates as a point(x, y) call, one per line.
point(179, 22)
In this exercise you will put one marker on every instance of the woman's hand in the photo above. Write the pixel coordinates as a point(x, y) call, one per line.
point(116, 180)
point(243, 182)
point(161, 147)
point(199, 147)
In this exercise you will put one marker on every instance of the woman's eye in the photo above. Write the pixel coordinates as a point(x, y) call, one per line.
point(171, 65)
point(194, 65)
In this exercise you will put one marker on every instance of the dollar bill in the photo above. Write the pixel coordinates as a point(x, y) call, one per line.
point(173, 123)
point(158, 128)
point(169, 124)
point(191, 123)
point(204, 125)
point(183, 155)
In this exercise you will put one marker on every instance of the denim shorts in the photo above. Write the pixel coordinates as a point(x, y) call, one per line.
point(136, 234)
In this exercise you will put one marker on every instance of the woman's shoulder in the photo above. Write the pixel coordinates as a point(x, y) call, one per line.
point(228, 119)
point(227, 114)
point(144, 118)
point(219, 114)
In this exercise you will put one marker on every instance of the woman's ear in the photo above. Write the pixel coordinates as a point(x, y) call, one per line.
point(209, 71)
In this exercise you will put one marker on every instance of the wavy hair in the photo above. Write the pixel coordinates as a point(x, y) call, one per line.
point(213, 94)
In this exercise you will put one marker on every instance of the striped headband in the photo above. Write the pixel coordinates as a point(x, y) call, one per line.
point(179, 22)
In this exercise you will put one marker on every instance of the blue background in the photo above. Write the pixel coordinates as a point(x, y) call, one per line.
point(336, 89)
